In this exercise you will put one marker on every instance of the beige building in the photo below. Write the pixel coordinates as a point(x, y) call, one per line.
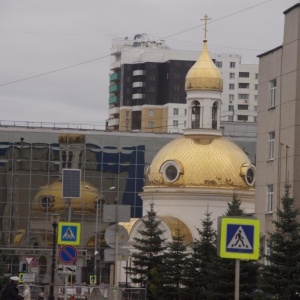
point(278, 133)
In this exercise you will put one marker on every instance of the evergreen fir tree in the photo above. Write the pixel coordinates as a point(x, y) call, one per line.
point(191, 278)
point(223, 270)
point(147, 260)
point(280, 277)
point(175, 262)
point(204, 252)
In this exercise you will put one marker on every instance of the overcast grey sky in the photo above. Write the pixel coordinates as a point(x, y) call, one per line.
point(41, 36)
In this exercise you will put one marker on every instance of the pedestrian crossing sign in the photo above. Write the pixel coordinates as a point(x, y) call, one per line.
point(238, 238)
point(68, 233)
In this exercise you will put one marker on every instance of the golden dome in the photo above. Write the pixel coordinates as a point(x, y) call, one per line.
point(49, 198)
point(174, 225)
point(204, 75)
point(199, 161)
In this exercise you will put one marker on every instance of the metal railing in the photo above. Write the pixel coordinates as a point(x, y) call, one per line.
point(52, 125)
point(79, 292)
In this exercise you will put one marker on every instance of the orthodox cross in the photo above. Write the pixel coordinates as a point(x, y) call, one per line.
point(205, 19)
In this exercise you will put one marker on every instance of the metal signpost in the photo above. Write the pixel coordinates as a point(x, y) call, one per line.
point(238, 238)
point(67, 234)
point(116, 213)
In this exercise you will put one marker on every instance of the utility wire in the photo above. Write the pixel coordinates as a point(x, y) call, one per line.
point(108, 55)
point(55, 71)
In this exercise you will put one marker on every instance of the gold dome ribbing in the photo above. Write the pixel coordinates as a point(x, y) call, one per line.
point(208, 161)
point(204, 75)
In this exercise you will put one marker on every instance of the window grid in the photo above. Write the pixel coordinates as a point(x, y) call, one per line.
point(271, 145)
point(270, 193)
point(272, 93)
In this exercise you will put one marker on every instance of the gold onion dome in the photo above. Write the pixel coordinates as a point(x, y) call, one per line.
point(204, 75)
point(200, 161)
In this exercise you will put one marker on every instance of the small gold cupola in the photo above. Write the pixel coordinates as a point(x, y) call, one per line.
point(204, 75)
point(203, 86)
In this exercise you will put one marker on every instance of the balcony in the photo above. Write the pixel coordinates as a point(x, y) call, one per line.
point(113, 122)
point(114, 77)
point(114, 111)
point(115, 65)
point(114, 99)
point(138, 72)
point(138, 84)
point(114, 88)
point(138, 96)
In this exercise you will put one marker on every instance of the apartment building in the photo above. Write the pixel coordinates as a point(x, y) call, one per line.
point(147, 86)
point(278, 134)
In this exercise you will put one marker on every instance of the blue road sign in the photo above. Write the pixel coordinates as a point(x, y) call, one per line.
point(68, 254)
point(69, 233)
point(238, 238)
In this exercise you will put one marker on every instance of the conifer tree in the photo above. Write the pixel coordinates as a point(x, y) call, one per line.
point(175, 263)
point(280, 277)
point(222, 270)
point(147, 259)
point(204, 252)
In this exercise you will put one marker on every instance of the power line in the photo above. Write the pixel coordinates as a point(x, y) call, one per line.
point(108, 55)
point(55, 71)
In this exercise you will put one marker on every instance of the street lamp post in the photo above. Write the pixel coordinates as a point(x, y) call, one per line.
point(54, 222)
point(96, 252)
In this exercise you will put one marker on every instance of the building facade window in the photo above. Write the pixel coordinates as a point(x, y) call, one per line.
point(244, 85)
point(255, 97)
point(150, 124)
point(244, 96)
point(175, 123)
point(230, 118)
point(218, 64)
point(271, 145)
point(231, 75)
point(270, 197)
point(151, 113)
point(242, 118)
point(256, 87)
point(243, 107)
point(231, 86)
point(244, 74)
point(230, 107)
point(231, 97)
point(256, 75)
point(175, 111)
point(232, 64)
point(272, 93)
point(255, 108)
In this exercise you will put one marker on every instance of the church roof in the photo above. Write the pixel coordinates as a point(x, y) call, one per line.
point(204, 75)
point(200, 161)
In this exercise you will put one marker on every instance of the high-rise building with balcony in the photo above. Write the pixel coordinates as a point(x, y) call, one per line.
point(147, 86)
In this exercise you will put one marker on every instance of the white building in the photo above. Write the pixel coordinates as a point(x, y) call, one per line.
point(146, 86)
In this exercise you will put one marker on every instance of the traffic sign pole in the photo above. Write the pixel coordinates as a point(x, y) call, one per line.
point(237, 280)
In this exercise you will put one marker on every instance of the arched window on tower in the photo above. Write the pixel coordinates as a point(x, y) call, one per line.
point(196, 115)
point(214, 116)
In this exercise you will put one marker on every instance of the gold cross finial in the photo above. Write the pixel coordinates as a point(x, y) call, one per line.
point(205, 19)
